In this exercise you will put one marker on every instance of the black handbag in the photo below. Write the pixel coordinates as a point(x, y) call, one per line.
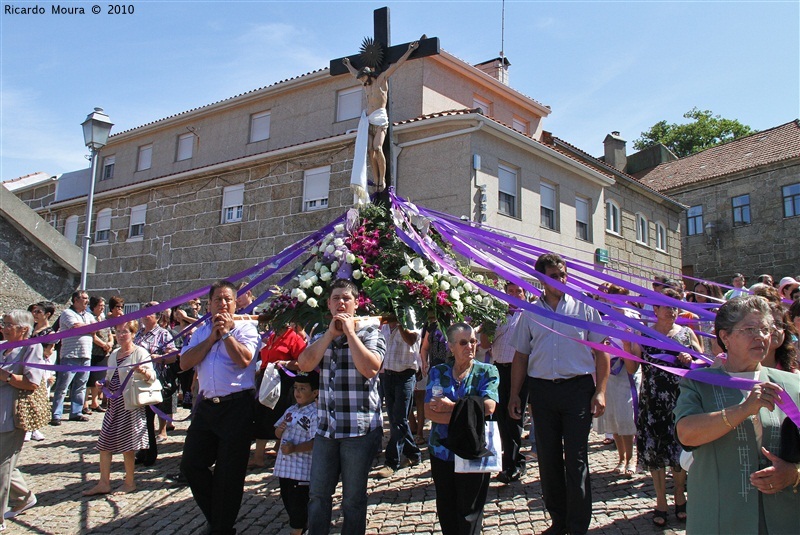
point(168, 377)
point(790, 441)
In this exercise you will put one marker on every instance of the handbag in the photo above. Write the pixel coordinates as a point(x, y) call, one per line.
point(488, 464)
point(140, 393)
point(790, 441)
point(32, 409)
point(167, 375)
point(270, 391)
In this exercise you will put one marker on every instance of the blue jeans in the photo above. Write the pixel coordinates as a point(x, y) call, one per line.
point(76, 382)
point(398, 387)
point(350, 458)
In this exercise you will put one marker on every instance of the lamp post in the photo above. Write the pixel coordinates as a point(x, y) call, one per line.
point(96, 128)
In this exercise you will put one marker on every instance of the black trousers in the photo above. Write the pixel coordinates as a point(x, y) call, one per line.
point(510, 428)
point(562, 419)
point(219, 436)
point(295, 498)
point(148, 457)
point(459, 498)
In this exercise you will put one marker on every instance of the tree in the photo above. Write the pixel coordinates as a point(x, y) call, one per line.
point(706, 130)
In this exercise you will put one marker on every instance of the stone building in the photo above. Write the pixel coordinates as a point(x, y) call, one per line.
point(743, 200)
point(208, 192)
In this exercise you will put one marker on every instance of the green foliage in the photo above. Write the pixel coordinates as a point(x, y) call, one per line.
point(706, 130)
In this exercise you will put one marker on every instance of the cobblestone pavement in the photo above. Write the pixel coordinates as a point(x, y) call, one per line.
point(66, 463)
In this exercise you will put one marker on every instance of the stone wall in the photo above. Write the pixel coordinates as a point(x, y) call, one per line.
point(27, 274)
point(770, 244)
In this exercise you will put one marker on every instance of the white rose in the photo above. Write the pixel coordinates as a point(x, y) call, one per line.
point(317, 266)
point(301, 295)
point(305, 284)
point(325, 277)
point(487, 301)
point(294, 292)
point(454, 280)
point(350, 258)
point(405, 270)
point(479, 278)
point(339, 228)
point(318, 290)
point(312, 302)
point(330, 249)
point(324, 269)
point(459, 306)
point(357, 274)
point(423, 272)
point(338, 242)
point(417, 264)
point(338, 253)
point(334, 266)
point(468, 300)
point(444, 285)
point(468, 287)
point(314, 250)
point(428, 280)
point(455, 295)
point(313, 279)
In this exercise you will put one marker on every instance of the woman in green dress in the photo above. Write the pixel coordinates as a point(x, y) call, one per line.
point(738, 482)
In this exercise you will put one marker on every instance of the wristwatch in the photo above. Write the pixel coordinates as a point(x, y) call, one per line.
point(225, 336)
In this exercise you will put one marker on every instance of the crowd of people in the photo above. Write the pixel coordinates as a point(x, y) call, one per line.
point(720, 442)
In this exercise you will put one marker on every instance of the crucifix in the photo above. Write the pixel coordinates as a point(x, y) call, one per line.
point(373, 66)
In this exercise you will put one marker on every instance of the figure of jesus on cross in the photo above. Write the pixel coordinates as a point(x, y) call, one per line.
point(376, 88)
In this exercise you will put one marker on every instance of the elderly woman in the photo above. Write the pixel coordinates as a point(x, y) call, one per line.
point(656, 444)
point(738, 483)
point(15, 375)
point(42, 314)
point(459, 497)
point(124, 428)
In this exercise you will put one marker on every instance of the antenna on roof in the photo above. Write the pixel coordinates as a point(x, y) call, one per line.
point(503, 32)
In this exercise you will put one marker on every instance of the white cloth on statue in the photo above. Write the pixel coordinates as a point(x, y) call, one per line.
point(379, 117)
point(358, 175)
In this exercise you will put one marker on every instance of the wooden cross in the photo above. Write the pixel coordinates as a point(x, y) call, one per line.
point(382, 36)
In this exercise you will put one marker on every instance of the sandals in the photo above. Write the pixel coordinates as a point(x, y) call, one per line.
point(630, 471)
point(659, 518)
point(620, 468)
point(608, 441)
point(680, 512)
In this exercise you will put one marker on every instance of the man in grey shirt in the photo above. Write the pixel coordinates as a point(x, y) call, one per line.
point(75, 351)
point(563, 395)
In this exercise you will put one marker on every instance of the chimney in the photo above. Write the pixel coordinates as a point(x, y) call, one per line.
point(496, 68)
point(614, 151)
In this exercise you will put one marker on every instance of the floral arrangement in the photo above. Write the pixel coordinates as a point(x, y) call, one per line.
point(394, 281)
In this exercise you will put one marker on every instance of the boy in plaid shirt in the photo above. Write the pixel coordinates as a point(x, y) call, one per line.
point(296, 430)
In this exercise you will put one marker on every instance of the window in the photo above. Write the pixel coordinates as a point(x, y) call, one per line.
point(507, 187)
point(694, 220)
point(71, 228)
point(259, 126)
point(582, 219)
point(661, 236)
point(127, 308)
point(185, 147)
point(103, 225)
point(547, 194)
point(642, 230)
point(348, 103)
point(138, 214)
point(519, 125)
point(791, 200)
point(741, 210)
point(145, 158)
point(108, 167)
point(483, 104)
point(316, 183)
point(613, 220)
point(232, 203)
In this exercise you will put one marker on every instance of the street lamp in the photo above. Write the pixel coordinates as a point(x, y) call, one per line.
point(96, 128)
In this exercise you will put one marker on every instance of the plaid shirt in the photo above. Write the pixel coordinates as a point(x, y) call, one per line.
point(502, 347)
point(349, 404)
point(301, 427)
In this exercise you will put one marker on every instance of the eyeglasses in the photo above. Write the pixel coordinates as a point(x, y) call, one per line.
point(37, 311)
point(7, 324)
point(753, 332)
point(118, 306)
point(471, 341)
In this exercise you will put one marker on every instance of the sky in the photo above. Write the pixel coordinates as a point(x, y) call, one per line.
point(601, 66)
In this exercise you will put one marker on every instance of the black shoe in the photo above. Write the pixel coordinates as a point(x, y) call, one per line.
point(510, 475)
point(554, 530)
point(178, 479)
point(78, 418)
point(55, 421)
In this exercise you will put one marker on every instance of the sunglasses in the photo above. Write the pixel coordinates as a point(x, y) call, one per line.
point(471, 341)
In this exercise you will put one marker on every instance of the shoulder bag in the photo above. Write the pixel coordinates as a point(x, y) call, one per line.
point(32, 409)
